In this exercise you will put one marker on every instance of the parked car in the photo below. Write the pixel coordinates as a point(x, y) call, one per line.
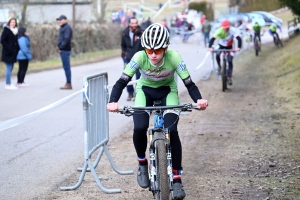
point(233, 18)
point(257, 18)
point(269, 18)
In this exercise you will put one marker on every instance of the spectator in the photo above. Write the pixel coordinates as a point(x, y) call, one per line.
point(202, 19)
point(148, 22)
point(64, 46)
point(164, 23)
point(189, 27)
point(206, 27)
point(160, 5)
point(179, 22)
point(24, 56)
point(174, 22)
point(131, 43)
point(145, 23)
point(10, 48)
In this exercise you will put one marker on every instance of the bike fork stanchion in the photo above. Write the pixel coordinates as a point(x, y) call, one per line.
point(152, 163)
point(170, 173)
point(152, 170)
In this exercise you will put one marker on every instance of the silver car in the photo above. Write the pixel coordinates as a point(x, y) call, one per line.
point(269, 18)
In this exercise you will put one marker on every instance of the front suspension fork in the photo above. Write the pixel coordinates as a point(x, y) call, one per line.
point(152, 168)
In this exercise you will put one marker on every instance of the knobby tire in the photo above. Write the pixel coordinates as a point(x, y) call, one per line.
point(224, 76)
point(256, 46)
point(280, 43)
point(162, 173)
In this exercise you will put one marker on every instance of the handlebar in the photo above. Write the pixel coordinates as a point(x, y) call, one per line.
point(224, 50)
point(129, 110)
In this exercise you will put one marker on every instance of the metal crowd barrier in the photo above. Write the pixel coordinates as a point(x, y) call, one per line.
point(294, 26)
point(96, 126)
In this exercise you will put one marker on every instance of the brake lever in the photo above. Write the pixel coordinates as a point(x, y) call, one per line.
point(127, 112)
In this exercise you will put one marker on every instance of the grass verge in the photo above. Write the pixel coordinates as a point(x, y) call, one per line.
point(82, 59)
point(280, 73)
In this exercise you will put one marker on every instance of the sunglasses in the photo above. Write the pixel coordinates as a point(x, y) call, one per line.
point(156, 51)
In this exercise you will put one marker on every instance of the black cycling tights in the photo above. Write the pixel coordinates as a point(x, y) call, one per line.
point(230, 65)
point(141, 124)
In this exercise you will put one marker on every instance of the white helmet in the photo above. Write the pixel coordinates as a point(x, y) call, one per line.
point(156, 36)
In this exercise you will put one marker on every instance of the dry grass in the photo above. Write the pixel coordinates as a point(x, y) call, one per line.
point(54, 63)
point(286, 70)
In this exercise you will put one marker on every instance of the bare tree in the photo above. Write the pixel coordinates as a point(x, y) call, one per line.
point(100, 10)
point(23, 12)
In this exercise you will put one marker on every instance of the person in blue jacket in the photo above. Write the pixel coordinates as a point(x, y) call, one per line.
point(24, 56)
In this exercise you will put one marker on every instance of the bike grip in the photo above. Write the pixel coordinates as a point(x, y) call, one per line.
point(120, 108)
point(195, 105)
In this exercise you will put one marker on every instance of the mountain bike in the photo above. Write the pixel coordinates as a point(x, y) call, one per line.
point(224, 65)
point(160, 168)
point(256, 46)
point(277, 41)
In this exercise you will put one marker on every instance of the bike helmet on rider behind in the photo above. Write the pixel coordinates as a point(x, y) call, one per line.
point(156, 36)
point(225, 23)
point(274, 25)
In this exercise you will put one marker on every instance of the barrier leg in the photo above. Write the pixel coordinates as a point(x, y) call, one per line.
point(98, 181)
point(79, 181)
point(113, 164)
point(96, 161)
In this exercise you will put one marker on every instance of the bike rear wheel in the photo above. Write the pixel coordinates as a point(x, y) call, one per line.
point(256, 46)
point(224, 76)
point(280, 43)
point(162, 171)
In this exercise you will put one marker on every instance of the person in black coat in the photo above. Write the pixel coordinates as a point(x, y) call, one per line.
point(10, 49)
point(64, 46)
point(131, 43)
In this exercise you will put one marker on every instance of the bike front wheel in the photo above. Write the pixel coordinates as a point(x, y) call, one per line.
point(256, 46)
point(224, 76)
point(162, 171)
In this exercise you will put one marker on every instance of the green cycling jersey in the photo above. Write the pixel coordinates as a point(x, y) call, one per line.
point(256, 28)
point(157, 76)
point(225, 38)
point(154, 76)
point(273, 28)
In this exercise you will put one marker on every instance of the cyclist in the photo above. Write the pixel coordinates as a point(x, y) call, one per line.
point(225, 34)
point(256, 30)
point(157, 65)
point(273, 30)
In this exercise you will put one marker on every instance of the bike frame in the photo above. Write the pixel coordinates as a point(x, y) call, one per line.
point(256, 46)
point(158, 133)
point(224, 61)
point(277, 40)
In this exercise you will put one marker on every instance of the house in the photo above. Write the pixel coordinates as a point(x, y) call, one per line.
point(46, 11)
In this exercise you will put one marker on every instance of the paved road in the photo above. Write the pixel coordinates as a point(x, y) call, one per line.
point(37, 155)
